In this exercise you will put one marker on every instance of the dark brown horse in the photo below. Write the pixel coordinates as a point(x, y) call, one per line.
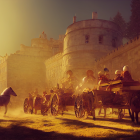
point(134, 107)
point(5, 97)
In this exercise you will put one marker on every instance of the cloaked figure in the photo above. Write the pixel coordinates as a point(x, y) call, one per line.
point(102, 78)
point(126, 74)
point(44, 94)
point(70, 82)
point(89, 81)
point(106, 73)
point(118, 75)
point(36, 92)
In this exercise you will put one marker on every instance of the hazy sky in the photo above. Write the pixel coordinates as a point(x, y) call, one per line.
point(22, 20)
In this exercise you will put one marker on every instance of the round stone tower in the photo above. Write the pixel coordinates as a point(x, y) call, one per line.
point(88, 40)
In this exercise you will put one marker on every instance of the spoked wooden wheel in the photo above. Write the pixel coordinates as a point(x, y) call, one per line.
point(79, 109)
point(28, 106)
point(54, 105)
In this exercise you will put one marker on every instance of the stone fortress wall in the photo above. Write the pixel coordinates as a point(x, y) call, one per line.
point(84, 42)
point(88, 40)
point(24, 75)
point(25, 70)
point(128, 54)
point(54, 70)
point(88, 44)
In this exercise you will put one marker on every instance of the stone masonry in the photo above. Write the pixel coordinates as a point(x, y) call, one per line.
point(88, 44)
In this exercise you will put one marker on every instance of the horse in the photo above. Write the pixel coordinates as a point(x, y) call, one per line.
point(134, 108)
point(5, 97)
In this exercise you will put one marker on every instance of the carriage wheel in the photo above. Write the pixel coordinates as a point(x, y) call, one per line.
point(27, 106)
point(79, 109)
point(54, 105)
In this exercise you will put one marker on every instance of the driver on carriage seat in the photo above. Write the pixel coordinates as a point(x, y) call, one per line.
point(126, 74)
point(44, 96)
point(44, 93)
point(106, 72)
point(102, 78)
point(70, 82)
point(118, 75)
point(35, 93)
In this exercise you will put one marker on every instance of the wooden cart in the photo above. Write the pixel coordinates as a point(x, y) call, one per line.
point(32, 103)
point(60, 100)
point(118, 95)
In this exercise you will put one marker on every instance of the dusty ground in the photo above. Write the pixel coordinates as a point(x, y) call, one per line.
point(19, 126)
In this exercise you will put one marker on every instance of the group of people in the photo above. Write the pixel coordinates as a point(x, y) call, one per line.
point(89, 80)
point(119, 75)
point(71, 82)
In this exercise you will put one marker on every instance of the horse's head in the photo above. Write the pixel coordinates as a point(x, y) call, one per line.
point(9, 91)
point(12, 92)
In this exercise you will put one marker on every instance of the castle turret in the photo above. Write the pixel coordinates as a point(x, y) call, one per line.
point(74, 19)
point(94, 15)
point(88, 40)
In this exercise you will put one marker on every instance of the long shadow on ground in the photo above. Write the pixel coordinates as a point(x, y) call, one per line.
point(122, 121)
point(18, 132)
point(80, 124)
point(15, 132)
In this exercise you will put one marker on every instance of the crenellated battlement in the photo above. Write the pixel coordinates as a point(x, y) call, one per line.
point(25, 48)
point(25, 56)
point(3, 58)
point(120, 50)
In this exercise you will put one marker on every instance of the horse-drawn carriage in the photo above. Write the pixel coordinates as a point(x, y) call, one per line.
point(57, 101)
point(60, 100)
point(34, 103)
point(114, 94)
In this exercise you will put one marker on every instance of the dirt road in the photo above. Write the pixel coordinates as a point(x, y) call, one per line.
point(20, 126)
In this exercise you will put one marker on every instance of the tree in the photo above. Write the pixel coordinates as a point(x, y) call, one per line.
point(118, 19)
point(133, 28)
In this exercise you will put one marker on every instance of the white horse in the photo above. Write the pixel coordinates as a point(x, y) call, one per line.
point(5, 97)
